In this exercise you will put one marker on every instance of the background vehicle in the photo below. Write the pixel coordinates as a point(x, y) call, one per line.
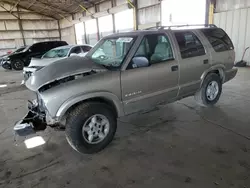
point(19, 60)
point(4, 58)
point(135, 72)
point(53, 55)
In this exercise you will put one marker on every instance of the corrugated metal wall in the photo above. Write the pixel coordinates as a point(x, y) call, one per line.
point(225, 5)
point(236, 24)
point(149, 13)
point(105, 14)
point(35, 28)
point(68, 30)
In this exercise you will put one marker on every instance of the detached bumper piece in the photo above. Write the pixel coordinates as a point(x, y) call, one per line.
point(31, 123)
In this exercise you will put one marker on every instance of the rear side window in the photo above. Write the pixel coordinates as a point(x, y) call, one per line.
point(86, 48)
point(60, 43)
point(54, 44)
point(190, 45)
point(47, 46)
point(76, 50)
point(218, 39)
point(35, 47)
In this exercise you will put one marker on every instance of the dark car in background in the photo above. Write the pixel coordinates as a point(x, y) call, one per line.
point(19, 60)
point(5, 56)
point(54, 55)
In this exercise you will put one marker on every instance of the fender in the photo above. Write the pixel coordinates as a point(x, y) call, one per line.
point(85, 96)
point(219, 67)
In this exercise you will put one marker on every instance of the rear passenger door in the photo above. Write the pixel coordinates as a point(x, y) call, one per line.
point(194, 59)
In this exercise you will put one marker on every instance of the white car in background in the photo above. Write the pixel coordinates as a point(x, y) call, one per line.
point(53, 55)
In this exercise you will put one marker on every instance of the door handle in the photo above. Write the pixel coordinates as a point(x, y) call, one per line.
point(205, 61)
point(174, 68)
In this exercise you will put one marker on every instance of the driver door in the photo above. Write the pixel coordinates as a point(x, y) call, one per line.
point(157, 83)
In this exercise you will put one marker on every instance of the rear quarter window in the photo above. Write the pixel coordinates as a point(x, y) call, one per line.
point(190, 45)
point(219, 40)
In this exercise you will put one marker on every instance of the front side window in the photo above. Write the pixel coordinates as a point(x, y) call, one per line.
point(190, 45)
point(86, 48)
point(218, 39)
point(57, 52)
point(155, 48)
point(76, 50)
point(112, 51)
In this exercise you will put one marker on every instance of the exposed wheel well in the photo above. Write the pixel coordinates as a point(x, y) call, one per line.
point(219, 72)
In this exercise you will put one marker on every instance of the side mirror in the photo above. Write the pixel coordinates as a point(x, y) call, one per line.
point(138, 62)
point(73, 54)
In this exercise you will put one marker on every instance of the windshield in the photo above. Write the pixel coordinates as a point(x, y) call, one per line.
point(19, 50)
point(26, 48)
point(112, 51)
point(57, 52)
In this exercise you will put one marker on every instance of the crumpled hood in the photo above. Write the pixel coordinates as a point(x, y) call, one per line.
point(62, 69)
point(36, 62)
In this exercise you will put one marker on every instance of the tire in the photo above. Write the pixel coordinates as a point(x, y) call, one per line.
point(202, 97)
point(17, 64)
point(80, 116)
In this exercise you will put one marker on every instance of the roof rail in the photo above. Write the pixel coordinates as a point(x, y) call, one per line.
point(169, 27)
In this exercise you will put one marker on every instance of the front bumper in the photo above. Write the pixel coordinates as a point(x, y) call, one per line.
point(6, 65)
point(26, 75)
point(28, 72)
point(229, 75)
point(34, 121)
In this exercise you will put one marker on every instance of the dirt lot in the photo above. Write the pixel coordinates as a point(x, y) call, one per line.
point(178, 145)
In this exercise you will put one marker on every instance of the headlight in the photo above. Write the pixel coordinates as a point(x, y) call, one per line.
point(40, 103)
point(35, 102)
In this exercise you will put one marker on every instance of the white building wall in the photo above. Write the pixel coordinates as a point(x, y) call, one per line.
point(68, 30)
point(226, 5)
point(236, 24)
point(35, 28)
point(149, 13)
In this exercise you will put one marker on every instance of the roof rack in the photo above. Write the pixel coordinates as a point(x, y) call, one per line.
point(169, 27)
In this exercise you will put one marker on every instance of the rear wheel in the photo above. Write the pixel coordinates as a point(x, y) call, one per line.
point(17, 64)
point(90, 127)
point(210, 91)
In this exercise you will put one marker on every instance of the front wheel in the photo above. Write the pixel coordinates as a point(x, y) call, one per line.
point(90, 127)
point(17, 64)
point(210, 91)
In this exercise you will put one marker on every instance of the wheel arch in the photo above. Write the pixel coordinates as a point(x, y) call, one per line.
point(217, 69)
point(104, 97)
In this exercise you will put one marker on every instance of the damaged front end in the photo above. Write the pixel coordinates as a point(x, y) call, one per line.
point(42, 110)
point(35, 120)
